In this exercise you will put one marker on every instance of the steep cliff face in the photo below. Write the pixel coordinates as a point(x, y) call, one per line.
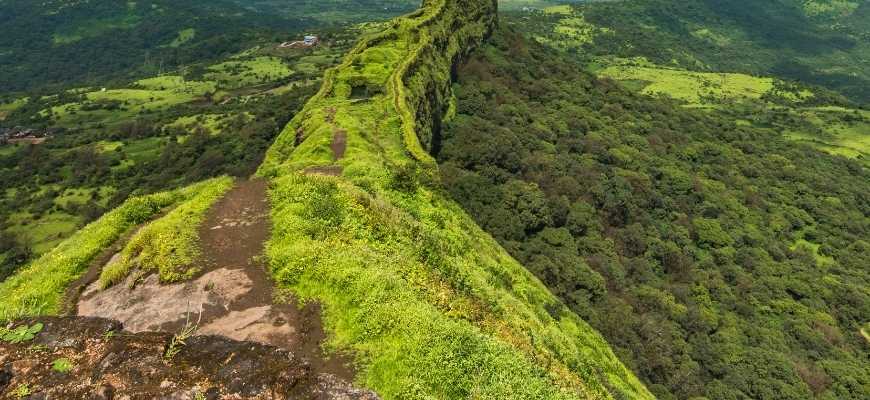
point(429, 305)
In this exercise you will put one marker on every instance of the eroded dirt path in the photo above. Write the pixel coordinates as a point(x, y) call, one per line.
point(232, 296)
point(338, 147)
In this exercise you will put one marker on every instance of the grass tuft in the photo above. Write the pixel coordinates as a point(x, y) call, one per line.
point(168, 245)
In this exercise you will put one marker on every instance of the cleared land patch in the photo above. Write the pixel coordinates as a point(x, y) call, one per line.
point(210, 123)
point(45, 232)
point(692, 87)
point(235, 74)
point(833, 129)
point(7, 108)
point(184, 36)
point(112, 106)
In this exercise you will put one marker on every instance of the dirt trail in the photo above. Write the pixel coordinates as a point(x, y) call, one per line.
point(338, 146)
point(233, 294)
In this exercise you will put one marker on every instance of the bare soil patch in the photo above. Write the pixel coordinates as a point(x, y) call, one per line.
point(339, 144)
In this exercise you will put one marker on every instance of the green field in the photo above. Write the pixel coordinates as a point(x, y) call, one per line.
point(42, 234)
point(689, 86)
point(235, 74)
point(184, 36)
point(82, 195)
point(112, 106)
point(834, 129)
point(143, 150)
point(211, 123)
point(6, 108)
point(8, 149)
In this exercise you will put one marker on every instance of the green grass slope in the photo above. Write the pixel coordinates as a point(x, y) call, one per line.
point(432, 307)
point(38, 288)
point(169, 244)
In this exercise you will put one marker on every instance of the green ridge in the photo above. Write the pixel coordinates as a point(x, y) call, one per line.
point(431, 306)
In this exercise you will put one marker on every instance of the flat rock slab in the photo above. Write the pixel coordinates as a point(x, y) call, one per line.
point(150, 306)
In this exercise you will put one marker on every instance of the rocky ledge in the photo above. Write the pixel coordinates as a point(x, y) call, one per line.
point(94, 358)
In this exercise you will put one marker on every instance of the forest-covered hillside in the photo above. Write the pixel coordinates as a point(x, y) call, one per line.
point(722, 261)
point(614, 199)
point(63, 43)
point(334, 11)
point(60, 43)
point(820, 42)
point(424, 302)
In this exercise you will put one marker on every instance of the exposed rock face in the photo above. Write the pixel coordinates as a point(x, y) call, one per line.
point(124, 365)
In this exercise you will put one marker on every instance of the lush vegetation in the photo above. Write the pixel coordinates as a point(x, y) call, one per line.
point(691, 56)
point(144, 136)
point(38, 289)
point(170, 244)
point(334, 11)
point(720, 260)
point(791, 39)
point(54, 44)
point(430, 305)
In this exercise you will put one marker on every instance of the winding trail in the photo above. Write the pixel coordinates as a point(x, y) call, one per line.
point(232, 296)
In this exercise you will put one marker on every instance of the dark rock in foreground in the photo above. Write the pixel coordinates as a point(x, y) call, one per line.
point(109, 363)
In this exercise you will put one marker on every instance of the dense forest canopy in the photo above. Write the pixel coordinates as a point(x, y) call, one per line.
point(61, 43)
point(334, 11)
point(720, 260)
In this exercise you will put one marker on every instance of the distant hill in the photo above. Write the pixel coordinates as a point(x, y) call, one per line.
point(59, 43)
point(63, 43)
point(334, 11)
point(821, 42)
